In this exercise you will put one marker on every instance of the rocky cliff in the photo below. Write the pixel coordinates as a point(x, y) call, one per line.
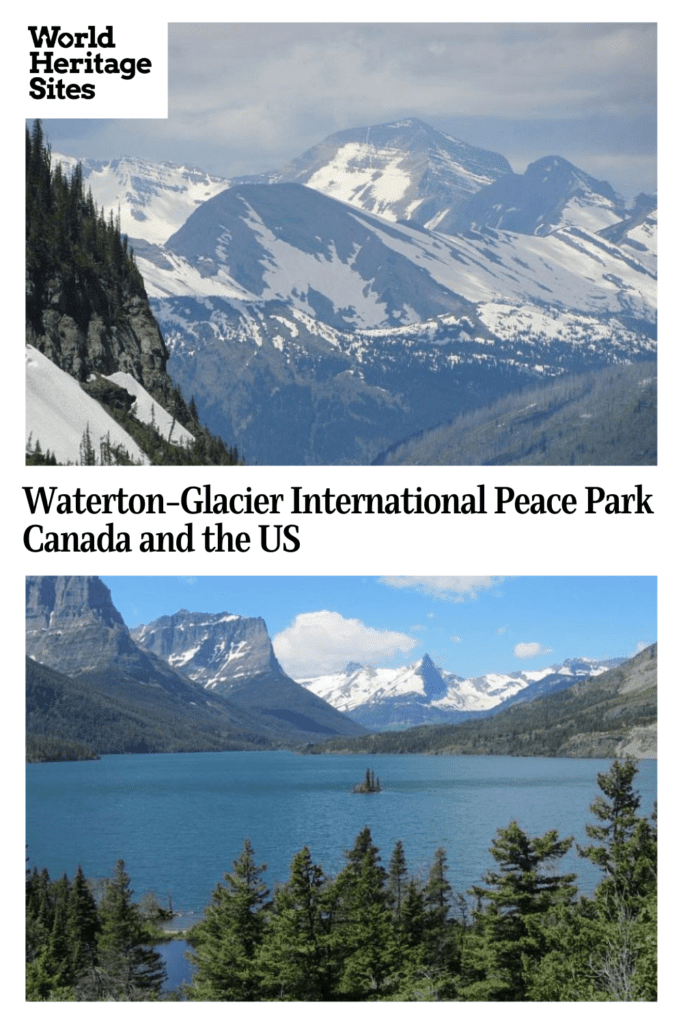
point(83, 337)
point(234, 695)
point(214, 650)
point(72, 624)
point(232, 656)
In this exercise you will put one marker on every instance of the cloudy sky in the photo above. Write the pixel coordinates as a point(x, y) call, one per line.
point(467, 624)
point(245, 98)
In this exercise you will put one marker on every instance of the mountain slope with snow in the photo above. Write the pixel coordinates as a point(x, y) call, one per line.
point(403, 170)
point(152, 199)
point(383, 283)
point(353, 270)
point(423, 692)
point(551, 193)
point(232, 656)
point(58, 412)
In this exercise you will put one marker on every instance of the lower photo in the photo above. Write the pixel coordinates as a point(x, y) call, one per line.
point(341, 789)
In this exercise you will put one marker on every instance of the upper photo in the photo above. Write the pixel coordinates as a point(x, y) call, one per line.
point(354, 244)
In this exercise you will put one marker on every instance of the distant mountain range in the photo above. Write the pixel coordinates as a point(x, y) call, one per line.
point(384, 698)
point(613, 714)
point(386, 281)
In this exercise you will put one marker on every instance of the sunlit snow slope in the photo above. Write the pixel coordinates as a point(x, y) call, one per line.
point(58, 412)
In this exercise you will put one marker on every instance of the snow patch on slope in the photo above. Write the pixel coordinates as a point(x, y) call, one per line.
point(58, 412)
point(147, 410)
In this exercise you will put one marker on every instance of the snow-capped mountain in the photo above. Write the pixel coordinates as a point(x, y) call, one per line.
point(383, 698)
point(404, 170)
point(132, 698)
point(153, 199)
point(232, 656)
point(354, 270)
point(551, 193)
point(214, 650)
point(384, 282)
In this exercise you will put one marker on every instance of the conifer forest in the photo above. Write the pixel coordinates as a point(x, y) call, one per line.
point(374, 931)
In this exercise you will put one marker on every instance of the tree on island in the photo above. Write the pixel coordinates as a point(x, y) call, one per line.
point(370, 783)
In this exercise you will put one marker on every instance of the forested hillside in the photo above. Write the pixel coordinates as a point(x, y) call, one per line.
point(604, 418)
point(87, 311)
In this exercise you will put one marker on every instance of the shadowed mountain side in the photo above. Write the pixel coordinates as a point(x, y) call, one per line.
point(115, 715)
point(606, 417)
point(232, 656)
point(73, 627)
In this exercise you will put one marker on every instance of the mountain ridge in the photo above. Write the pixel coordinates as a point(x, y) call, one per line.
point(422, 692)
point(611, 715)
point(74, 630)
point(330, 295)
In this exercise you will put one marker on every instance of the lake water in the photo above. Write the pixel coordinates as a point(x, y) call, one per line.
point(180, 820)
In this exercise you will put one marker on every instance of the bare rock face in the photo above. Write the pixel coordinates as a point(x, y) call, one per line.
point(82, 336)
point(217, 651)
point(72, 624)
point(232, 656)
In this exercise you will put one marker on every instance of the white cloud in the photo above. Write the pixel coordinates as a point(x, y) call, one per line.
point(456, 639)
point(502, 629)
point(446, 588)
point(530, 650)
point(320, 642)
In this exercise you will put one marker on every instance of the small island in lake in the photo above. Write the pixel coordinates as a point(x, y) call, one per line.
point(370, 783)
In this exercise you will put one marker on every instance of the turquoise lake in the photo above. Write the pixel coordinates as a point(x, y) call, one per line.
point(180, 820)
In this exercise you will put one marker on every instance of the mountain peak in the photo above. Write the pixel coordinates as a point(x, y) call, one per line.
point(214, 649)
point(550, 193)
point(400, 170)
point(435, 685)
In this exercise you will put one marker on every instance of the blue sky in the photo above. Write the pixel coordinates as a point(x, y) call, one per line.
point(468, 625)
point(246, 98)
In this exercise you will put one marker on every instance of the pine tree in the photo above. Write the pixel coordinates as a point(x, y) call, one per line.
point(127, 968)
point(521, 900)
point(363, 939)
point(441, 933)
point(82, 925)
point(87, 449)
point(626, 848)
point(227, 941)
point(398, 876)
point(294, 958)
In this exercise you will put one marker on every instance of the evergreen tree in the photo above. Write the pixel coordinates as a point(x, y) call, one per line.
point(521, 901)
point(398, 877)
point(363, 938)
point(441, 933)
point(87, 449)
point(127, 968)
point(294, 958)
point(82, 925)
point(626, 847)
point(226, 943)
